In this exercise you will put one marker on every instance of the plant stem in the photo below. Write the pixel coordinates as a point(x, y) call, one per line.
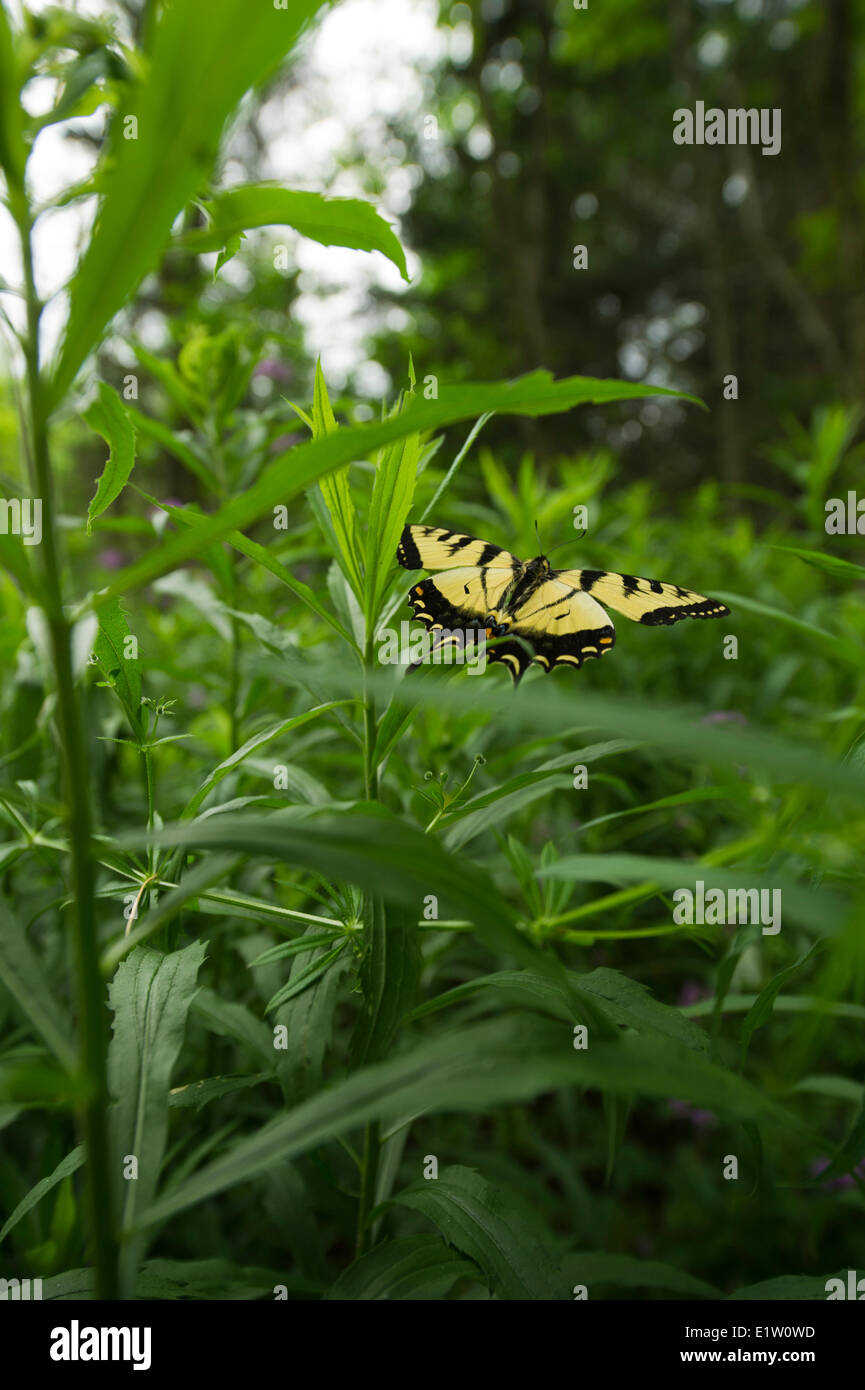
point(371, 1141)
point(92, 1011)
point(370, 780)
point(368, 1181)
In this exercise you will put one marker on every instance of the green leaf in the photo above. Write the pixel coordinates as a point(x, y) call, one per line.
point(289, 473)
point(14, 559)
point(294, 948)
point(259, 740)
point(473, 1217)
point(372, 848)
point(68, 1165)
point(109, 649)
point(108, 417)
point(490, 809)
point(330, 221)
point(150, 995)
point(624, 1001)
point(389, 976)
point(839, 646)
point(392, 494)
point(308, 1018)
point(451, 473)
point(227, 1019)
point(792, 1287)
point(305, 977)
point(262, 557)
point(23, 974)
point(821, 560)
point(681, 730)
point(474, 1069)
point(811, 908)
point(411, 1267)
point(13, 150)
point(594, 1267)
point(215, 52)
point(760, 1011)
point(178, 448)
point(198, 1093)
point(850, 1154)
point(339, 519)
point(207, 872)
point(632, 1003)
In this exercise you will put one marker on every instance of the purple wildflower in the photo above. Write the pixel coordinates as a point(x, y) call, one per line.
point(700, 1119)
point(111, 559)
point(274, 369)
point(843, 1182)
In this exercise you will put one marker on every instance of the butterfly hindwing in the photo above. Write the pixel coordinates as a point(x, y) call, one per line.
point(563, 625)
point(646, 601)
point(459, 598)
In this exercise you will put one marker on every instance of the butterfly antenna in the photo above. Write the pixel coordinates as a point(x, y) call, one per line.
point(538, 534)
point(575, 541)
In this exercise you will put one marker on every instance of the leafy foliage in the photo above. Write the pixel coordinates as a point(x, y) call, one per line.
point(401, 1006)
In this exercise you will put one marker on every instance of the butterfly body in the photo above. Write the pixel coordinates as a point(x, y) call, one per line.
point(530, 611)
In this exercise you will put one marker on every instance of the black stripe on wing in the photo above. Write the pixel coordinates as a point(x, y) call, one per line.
point(665, 617)
point(407, 552)
point(552, 650)
point(431, 607)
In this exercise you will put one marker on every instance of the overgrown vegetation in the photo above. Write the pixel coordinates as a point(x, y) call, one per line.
point(282, 928)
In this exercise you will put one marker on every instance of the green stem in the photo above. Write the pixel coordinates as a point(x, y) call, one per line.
point(371, 1141)
point(368, 1181)
point(370, 780)
point(92, 1011)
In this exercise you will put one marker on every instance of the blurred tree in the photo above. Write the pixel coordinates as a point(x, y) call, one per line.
point(551, 127)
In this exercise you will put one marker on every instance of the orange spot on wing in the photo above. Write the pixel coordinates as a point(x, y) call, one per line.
point(419, 589)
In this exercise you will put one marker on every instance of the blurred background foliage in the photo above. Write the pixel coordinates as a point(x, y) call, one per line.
point(541, 128)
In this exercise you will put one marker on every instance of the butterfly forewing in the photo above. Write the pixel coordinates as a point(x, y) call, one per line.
point(435, 548)
point(645, 601)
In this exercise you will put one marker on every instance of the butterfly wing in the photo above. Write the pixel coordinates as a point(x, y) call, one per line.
point(561, 624)
point(645, 601)
point(460, 598)
point(476, 576)
point(435, 548)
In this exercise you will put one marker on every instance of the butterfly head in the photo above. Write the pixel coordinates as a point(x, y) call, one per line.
point(538, 566)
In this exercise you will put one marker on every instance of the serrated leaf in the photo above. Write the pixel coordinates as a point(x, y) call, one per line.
point(411, 1267)
point(473, 1217)
point(345, 222)
point(108, 417)
point(389, 976)
point(109, 649)
point(150, 996)
point(473, 1069)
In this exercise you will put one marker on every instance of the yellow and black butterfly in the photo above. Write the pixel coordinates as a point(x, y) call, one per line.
point(554, 612)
